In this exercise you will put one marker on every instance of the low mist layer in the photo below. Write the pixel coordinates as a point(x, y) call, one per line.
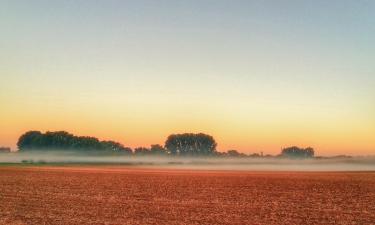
point(209, 163)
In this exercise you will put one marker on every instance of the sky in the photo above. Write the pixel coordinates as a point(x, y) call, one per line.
point(256, 75)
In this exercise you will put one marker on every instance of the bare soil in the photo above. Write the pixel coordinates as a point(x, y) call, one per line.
point(126, 195)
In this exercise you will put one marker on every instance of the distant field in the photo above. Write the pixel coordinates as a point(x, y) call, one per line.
point(128, 195)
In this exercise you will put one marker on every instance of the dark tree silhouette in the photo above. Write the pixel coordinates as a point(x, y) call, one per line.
point(158, 150)
point(115, 147)
point(190, 144)
point(62, 140)
point(141, 151)
point(296, 152)
point(234, 153)
point(255, 155)
point(30, 140)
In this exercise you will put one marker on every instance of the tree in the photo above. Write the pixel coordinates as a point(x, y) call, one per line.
point(157, 150)
point(255, 155)
point(56, 140)
point(296, 152)
point(86, 143)
point(30, 140)
point(115, 147)
point(127, 151)
point(141, 151)
point(234, 153)
point(190, 144)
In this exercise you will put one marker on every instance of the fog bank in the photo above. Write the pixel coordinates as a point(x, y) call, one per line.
point(203, 163)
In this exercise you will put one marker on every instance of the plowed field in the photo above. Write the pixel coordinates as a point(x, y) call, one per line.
point(120, 195)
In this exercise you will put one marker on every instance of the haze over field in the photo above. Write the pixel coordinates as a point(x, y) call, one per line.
point(191, 163)
point(257, 75)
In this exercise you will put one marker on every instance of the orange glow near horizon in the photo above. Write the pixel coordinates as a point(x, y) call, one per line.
point(250, 137)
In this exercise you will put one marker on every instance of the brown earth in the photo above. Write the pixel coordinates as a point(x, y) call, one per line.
point(119, 195)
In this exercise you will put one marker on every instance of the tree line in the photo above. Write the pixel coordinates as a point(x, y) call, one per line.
point(186, 144)
point(176, 144)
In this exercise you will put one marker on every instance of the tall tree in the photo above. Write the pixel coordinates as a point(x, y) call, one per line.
point(30, 140)
point(190, 144)
point(157, 150)
point(296, 152)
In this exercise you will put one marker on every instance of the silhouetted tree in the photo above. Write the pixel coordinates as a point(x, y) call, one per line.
point(115, 147)
point(127, 151)
point(234, 153)
point(86, 143)
point(142, 151)
point(30, 140)
point(57, 140)
point(296, 152)
point(158, 150)
point(255, 155)
point(190, 144)
point(62, 140)
point(220, 154)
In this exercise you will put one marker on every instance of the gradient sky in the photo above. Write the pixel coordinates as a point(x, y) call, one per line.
point(257, 75)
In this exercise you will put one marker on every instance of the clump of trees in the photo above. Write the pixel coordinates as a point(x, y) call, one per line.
point(62, 140)
point(155, 150)
point(296, 152)
point(191, 144)
point(233, 153)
